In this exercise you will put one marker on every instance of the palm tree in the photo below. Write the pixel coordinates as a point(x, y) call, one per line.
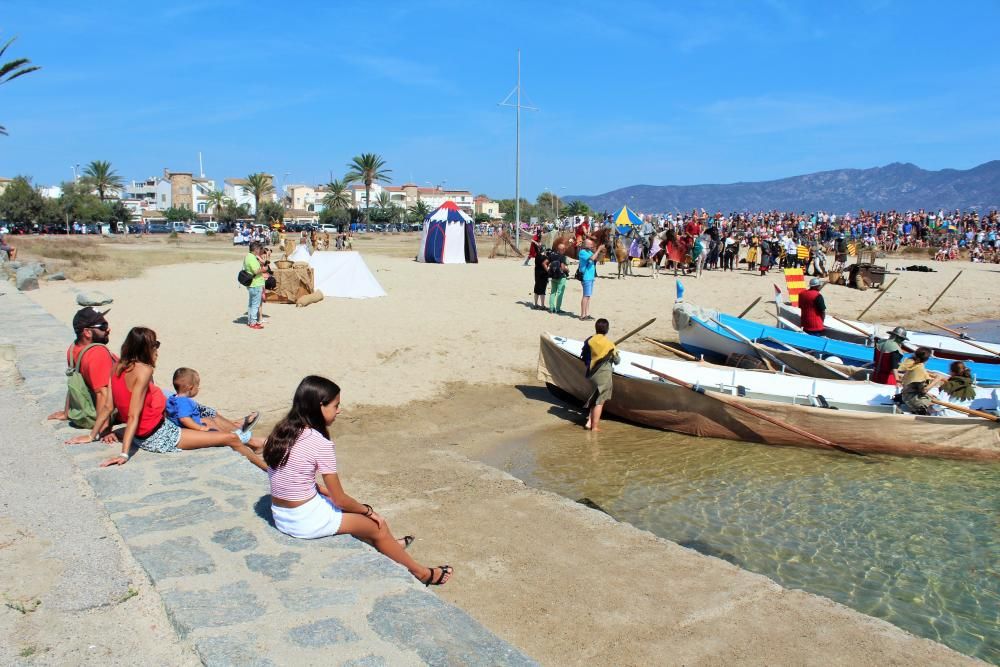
point(383, 201)
point(13, 69)
point(421, 209)
point(368, 168)
point(102, 177)
point(259, 185)
point(577, 208)
point(217, 201)
point(337, 195)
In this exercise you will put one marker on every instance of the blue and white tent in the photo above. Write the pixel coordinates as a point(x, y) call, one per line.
point(448, 237)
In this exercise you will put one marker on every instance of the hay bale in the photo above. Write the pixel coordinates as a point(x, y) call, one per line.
point(307, 299)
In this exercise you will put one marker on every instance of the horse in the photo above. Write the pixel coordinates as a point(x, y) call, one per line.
point(657, 251)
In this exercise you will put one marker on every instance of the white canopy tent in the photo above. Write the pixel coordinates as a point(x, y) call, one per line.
point(342, 274)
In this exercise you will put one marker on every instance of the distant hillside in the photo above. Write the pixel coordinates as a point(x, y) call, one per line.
point(895, 186)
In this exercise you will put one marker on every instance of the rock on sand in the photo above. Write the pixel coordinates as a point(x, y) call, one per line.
point(93, 299)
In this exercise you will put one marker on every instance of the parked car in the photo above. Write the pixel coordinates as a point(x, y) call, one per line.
point(196, 229)
point(330, 229)
point(160, 228)
point(213, 226)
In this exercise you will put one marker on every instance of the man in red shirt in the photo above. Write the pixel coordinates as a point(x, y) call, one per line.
point(92, 328)
point(813, 308)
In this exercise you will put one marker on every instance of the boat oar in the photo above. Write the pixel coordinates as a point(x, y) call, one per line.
point(882, 294)
point(633, 332)
point(766, 356)
point(750, 411)
point(799, 353)
point(679, 353)
point(749, 308)
point(946, 288)
point(959, 408)
point(861, 331)
point(965, 340)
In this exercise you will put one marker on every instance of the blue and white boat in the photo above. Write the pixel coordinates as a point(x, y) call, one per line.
point(714, 336)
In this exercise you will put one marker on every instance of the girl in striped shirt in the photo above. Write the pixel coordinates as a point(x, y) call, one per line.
point(297, 449)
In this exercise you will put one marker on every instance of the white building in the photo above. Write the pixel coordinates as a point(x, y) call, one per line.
point(235, 189)
point(408, 194)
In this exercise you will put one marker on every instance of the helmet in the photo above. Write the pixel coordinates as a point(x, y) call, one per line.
point(898, 332)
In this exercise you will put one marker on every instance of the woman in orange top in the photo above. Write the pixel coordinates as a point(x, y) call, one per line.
point(136, 395)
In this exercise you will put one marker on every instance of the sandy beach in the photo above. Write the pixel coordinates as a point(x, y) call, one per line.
point(441, 370)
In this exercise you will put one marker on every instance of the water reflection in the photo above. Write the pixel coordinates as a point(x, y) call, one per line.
point(913, 541)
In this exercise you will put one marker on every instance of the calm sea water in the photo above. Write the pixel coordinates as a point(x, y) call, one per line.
point(913, 541)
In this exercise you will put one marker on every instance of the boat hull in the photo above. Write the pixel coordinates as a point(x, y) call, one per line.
point(670, 407)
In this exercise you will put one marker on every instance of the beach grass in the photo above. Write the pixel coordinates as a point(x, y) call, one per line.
point(83, 258)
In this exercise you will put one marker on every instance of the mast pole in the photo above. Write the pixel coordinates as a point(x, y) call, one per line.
point(517, 158)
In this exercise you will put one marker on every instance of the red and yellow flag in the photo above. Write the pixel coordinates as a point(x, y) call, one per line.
point(795, 282)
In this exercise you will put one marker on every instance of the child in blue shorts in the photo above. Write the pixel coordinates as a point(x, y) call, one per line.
point(184, 411)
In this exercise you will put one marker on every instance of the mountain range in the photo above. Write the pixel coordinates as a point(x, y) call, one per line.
point(899, 186)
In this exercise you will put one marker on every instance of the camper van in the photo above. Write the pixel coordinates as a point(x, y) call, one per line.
point(213, 226)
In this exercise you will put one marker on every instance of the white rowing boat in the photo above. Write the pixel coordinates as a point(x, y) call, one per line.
point(858, 415)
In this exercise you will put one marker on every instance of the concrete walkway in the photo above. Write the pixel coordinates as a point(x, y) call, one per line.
point(238, 591)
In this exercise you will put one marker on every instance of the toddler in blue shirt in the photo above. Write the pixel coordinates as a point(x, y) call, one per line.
point(184, 411)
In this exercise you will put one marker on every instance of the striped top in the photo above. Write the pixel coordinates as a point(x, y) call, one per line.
point(311, 454)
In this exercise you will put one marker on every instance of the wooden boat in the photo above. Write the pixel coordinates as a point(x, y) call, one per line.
point(710, 333)
point(857, 415)
point(944, 347)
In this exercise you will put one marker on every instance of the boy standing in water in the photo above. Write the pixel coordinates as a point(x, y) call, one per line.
point(599, 354)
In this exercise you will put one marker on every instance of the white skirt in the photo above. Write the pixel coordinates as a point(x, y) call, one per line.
point(316, 518)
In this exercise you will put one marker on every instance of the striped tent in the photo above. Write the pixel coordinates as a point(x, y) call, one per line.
point(626, 219)
point(448, 237)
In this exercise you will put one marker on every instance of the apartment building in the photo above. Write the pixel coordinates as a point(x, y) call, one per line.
point(408, 194)
point(305, 198)
point(178, 189)
point(486, 206)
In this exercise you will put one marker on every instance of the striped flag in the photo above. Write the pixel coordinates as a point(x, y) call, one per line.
point(795, 282)
point(852, 248)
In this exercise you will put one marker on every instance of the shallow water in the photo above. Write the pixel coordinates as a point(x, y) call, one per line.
point(913, 541)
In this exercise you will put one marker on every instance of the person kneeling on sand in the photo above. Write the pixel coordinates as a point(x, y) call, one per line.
point(599, 354)
point(298, 448)
point(184, 411)
point(136, 395)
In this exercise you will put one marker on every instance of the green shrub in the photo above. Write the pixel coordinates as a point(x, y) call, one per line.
point(173, 235)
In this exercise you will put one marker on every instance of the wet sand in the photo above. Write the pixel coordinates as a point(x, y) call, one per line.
point(441, 371)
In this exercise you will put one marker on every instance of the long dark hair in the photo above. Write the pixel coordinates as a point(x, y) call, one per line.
point(139, 346)
point(311, 395)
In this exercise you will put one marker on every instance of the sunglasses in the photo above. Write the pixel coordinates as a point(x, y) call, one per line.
point(103, 326)
point(156, 345)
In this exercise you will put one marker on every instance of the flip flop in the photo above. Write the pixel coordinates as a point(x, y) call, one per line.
point(431, 581)
point(248, 423)
point(407, 541)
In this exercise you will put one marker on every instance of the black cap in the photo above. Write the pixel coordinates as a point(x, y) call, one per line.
point(88, 317)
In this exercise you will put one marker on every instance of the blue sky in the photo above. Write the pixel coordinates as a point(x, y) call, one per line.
point(628, 92)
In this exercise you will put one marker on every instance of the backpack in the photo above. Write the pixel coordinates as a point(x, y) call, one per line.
point(556, 266)
point(80, 402)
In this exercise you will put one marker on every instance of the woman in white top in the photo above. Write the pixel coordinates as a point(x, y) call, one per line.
point(297, 449)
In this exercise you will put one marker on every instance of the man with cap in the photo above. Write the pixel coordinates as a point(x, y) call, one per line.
point(888, 356)
point(813, 308)
point(92, 328)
